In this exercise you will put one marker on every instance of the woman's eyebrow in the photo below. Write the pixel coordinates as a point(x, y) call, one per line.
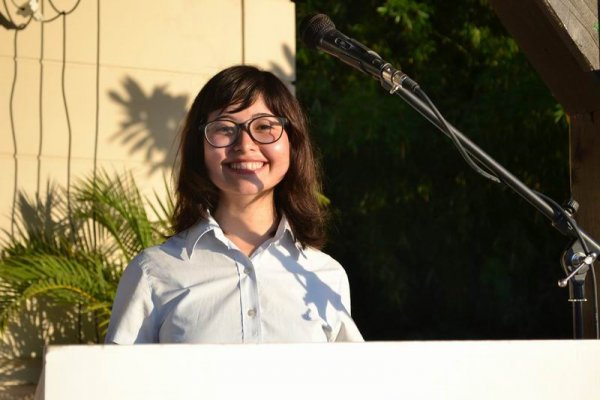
point(230, 116)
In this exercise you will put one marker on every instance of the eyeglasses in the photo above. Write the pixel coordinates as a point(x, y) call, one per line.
point(263, 129)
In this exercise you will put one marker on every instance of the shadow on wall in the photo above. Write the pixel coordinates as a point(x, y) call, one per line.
point(288, 79)
point(151, 122)
point(40, 323)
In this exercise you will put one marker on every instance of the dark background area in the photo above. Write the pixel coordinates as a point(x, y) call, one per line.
point(432, 249)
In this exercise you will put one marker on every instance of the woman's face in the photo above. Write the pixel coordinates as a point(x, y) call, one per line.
point(246, 168)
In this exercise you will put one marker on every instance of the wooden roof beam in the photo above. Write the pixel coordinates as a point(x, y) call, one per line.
point(561, 40)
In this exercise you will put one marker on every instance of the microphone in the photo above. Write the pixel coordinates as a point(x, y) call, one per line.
point(318, 32)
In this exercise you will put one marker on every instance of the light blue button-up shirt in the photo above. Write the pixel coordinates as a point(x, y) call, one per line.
point(197, 287)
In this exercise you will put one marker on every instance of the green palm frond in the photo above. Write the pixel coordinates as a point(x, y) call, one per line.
point(61, 279)
point(41, 224)
point(116, 204)
point(73, 250)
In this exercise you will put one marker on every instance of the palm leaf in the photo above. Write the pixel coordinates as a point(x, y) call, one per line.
point(61, 279)
point(117, 206)
point(41, 224)
point(73, 250)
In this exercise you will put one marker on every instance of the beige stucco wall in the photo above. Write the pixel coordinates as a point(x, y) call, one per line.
point(129, 70)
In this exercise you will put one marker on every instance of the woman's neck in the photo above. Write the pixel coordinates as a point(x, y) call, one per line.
point(247, 222)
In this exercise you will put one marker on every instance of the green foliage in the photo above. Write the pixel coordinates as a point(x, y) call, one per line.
point(71, 248)
point(432, 249)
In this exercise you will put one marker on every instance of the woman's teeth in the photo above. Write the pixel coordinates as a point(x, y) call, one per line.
point(252, 166)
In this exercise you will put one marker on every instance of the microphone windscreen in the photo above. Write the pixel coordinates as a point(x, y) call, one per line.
point(313, 27)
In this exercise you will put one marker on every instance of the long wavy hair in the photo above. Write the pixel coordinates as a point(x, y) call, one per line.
point(296, 195)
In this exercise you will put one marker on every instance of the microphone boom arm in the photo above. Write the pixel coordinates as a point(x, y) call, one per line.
point(393, 83)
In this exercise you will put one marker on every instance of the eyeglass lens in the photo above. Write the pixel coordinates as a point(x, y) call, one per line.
point(264, 129)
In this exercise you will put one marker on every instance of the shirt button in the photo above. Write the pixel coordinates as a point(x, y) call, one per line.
point(247, 271)
point(252, 312)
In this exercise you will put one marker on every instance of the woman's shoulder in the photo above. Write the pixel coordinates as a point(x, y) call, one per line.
point(169, 252)
point(319, 259)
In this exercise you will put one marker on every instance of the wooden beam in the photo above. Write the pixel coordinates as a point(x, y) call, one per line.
point(578, 25)
point(585, 188)
point(560, 39)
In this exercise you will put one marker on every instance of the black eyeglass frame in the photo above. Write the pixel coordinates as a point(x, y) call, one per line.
point(244, 126)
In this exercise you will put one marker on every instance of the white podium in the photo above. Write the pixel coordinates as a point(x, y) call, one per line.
point(377, 370)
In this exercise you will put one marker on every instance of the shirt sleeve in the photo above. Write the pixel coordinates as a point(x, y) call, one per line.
point(133, 313)
point(347, 330)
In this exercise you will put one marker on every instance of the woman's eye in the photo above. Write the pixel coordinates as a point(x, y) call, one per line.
point(264, 127)
point(224, 130)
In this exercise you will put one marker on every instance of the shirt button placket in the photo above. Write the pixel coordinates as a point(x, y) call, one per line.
point(250, 312)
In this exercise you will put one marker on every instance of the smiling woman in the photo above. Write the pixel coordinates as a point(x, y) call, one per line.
point(245, 168)
point(244, 265)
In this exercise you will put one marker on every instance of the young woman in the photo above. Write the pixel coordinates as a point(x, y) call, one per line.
point(243, 265)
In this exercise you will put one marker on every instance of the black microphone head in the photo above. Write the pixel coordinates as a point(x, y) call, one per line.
point(313, 27)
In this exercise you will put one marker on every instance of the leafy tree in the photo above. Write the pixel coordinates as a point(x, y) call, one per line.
point(433, 250)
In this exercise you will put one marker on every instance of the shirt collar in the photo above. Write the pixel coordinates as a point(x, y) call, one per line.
point(198, 230)
point(283, 228)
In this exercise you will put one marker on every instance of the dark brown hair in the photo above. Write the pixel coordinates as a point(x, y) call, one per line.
point(295, 196)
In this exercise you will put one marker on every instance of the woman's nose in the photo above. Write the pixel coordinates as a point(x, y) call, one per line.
point(244, 140)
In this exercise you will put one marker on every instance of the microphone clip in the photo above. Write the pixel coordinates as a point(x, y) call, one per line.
point(393, 80)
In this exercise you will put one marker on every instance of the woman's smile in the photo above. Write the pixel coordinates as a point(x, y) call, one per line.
point(246, 166)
